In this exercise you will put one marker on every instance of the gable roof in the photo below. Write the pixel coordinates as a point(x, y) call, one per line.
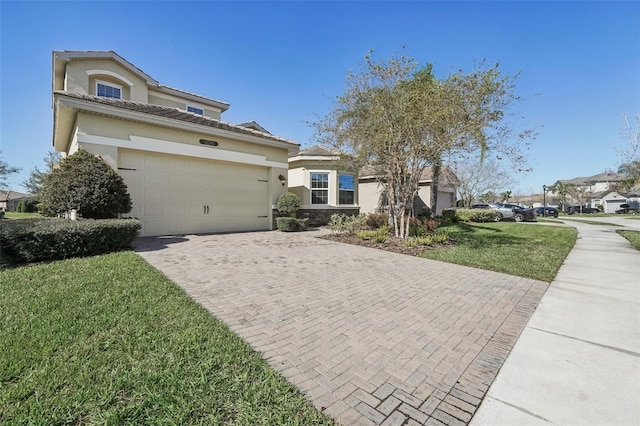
point(447, 176)
point(7, 195)
point(600, 177)
point(61, 57)
point(317, 151)
point(255, 126)
point(111, 106)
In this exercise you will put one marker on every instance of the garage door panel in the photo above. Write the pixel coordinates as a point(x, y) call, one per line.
point(169, 194)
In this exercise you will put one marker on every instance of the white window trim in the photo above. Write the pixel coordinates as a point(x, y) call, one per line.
point(110, 84)
point(311, 188)
point(111, 74)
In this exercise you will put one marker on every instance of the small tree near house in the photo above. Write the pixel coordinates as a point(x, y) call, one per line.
point(85, 183)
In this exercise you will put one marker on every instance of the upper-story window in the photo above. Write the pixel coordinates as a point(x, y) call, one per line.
point(108, 90)
point(346, 189)
point(319, 188)
point(195, 110)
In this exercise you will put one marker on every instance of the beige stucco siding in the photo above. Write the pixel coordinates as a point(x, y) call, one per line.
point(174, 102)
point(369, 196)
point(370, 192)
point(300, 182)
point(296, 185)
point(91, 124)
point(81, 76)
point(170, 190)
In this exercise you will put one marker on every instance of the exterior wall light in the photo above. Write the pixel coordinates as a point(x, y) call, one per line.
point(282, 179)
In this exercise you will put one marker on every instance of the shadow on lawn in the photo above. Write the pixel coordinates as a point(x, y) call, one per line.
point(479, 236)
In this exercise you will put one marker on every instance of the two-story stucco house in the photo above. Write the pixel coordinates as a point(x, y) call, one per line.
point(186, 170)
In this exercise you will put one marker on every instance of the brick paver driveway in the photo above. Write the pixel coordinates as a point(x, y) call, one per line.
point(371, 337)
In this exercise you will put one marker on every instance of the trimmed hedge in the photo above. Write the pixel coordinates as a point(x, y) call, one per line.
point(291, 224)
point(32, 240)
point(288, 204)
point(469, 215)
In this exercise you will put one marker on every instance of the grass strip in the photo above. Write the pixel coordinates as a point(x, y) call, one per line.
point(590, 222)
point(525, 250)
point(110, 340)
point(632, 236)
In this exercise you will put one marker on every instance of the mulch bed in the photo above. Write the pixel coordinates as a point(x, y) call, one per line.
point(393, 244)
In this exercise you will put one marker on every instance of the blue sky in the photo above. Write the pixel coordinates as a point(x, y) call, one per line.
point(281, 63)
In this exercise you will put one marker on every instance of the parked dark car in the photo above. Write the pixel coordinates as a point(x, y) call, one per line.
point(547, 211)
point(521, 214)
point(581, 209)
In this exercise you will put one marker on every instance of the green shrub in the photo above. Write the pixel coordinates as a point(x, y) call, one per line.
point(449, 216)
point(291, 224)
point(379, 235)
point(349, 224)
point(440, 236)
point(86, 183)
point(376, 220)
point(483, 215)
point(26, 206)
point(425, 240)
point(31, 240)
point(469, 215)
point(422, 226)
point(288, 204)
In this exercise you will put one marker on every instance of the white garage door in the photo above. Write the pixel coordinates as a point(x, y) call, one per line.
point(174, 194)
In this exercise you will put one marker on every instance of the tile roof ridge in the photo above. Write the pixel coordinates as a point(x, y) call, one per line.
point(120, 102)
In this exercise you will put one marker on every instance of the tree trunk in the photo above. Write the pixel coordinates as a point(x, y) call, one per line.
point(435, 181)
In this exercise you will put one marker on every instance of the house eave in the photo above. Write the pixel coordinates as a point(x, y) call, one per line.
point(63, 106)
point(313, 158)
point(223, 106)
point(69, 55)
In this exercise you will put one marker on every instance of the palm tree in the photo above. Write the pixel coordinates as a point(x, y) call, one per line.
point(505, 196)
point(562, 189)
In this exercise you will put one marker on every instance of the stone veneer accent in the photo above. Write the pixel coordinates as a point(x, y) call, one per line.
point(319, 217)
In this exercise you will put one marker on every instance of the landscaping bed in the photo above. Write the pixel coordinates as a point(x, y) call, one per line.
point(393, 244)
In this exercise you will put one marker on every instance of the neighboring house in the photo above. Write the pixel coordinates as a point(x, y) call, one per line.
point(609, 200)
point(590, 188)
point(325, 185)
point(186, 170)
point(9, 200)
point(372, 197)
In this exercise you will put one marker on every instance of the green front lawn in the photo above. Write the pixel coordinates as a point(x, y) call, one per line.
point(632, 236)
point(16, 215)
point(110, 340)
point(526, 250)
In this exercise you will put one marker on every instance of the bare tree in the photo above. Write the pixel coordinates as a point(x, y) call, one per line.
point(35, 182)
point(5, 171)
point(629, 153)
point(477, 178)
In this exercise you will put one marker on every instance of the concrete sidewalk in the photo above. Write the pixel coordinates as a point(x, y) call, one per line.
point(578, 359)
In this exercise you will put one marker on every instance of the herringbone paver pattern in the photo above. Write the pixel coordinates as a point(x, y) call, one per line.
point(371, 337)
